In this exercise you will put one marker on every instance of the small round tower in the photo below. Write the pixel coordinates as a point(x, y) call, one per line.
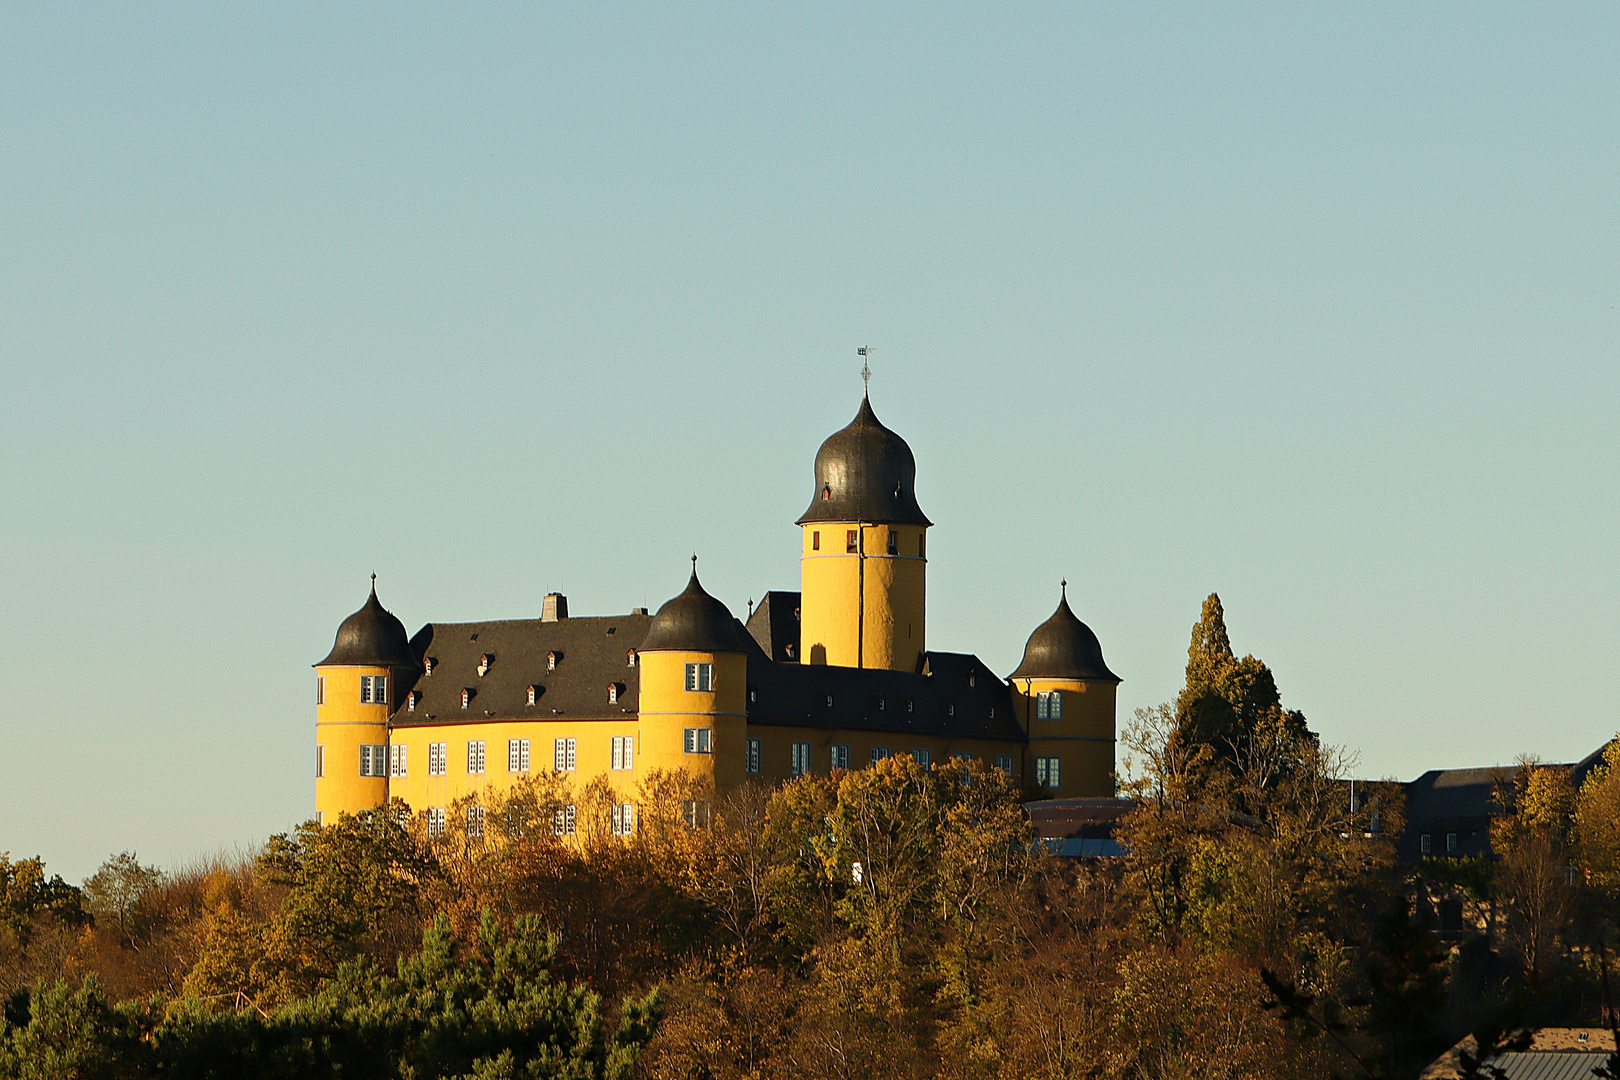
point(863, 561)
point(694, 671)
point(355, 690)
point(1064, 693)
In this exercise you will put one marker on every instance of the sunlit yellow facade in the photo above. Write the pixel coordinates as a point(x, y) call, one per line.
point(864, 590)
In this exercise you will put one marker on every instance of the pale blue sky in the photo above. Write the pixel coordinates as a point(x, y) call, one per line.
point(1312, 306)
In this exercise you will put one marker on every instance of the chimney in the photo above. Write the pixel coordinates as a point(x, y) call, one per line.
point(555, 607)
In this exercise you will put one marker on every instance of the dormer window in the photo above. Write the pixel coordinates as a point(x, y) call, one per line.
point(973, 680)
point(826, 492)
point(483, 664)
point(551, 660)
point(429, 663)
point(753, 695)
point(881, 703)
point(411, 699)
point(630, 658)
point(829, 701)
point(613, 693)
point(950, 710)
point(992, 712)
point(910, 705)
point(467, 693)
point(534, 694)
point(789, 650)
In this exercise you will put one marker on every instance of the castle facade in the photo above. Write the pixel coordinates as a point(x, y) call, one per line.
point(835, 676)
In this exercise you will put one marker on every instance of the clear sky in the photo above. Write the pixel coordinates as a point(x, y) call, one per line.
point(1310, 305)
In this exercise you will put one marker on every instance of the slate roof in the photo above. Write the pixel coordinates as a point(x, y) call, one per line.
point(1445, 801)
point(775, 625)
point(371, 636)
point(865, 472)
point(1063, 647)
point(591, 653)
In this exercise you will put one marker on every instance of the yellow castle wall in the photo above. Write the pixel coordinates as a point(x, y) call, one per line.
point(342, 724)
point(833, 596)
point(1082, 741)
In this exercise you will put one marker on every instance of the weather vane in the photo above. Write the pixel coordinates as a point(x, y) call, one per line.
point(866, 368)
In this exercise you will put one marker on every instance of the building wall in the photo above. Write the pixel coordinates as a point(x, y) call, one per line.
point(776, 748)
point(342, 724)
point(668, 709)
point(1083, 741)
point(837, 587)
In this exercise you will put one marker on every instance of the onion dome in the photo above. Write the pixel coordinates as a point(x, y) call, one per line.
point(694, 621)
point(865, 473)
point(1063, 647)
point(371, 637)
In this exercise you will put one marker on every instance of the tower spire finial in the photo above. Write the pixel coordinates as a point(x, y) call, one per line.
point(1064, 585)
point(694, 564)
point(866, 370)
point(374, 581)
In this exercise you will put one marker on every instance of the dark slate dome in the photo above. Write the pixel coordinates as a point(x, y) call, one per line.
point(371, 637)
point(1063, 647)
point(693, 622)
point(865, 473)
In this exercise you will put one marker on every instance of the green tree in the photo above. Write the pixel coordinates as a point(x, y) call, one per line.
point(115, 893)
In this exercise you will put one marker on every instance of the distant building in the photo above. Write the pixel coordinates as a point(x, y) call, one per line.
point(835, 676)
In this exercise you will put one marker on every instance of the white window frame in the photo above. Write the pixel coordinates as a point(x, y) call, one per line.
point(564, 754)
point(696, 813)
point(623, 819)
point(475, 757)
point(613, 693)
point(438, 758)
point(373, 759)
point(925, 758)
point(563, 820)
point(1049, 705)
point(838, 757)
point(698, 740)
point(1426, 844)
point(399, 760)
point(435, 821)
point(755, 757)
point(475, 821)
point(879, 753)
point(1004, 762)
point(700, 677)
point(517, 755)
point(801, 759)
point(1049, 773)
point(374, 690)
point(624, 753)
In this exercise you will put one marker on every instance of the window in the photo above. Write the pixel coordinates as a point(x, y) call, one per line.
point(815, 540)
point(699, 740)
point(1451, 842)
point(922, 757)
point(992, 712)
point(789, 650)
point(700, 678)
point(562, 754)
point(429, 663)
point(754, 756)
point(910, 705)
point(1049, 706)
point(396, 765)
point(562, 820)
point(517, 755)
point(466, 696)
point(613, 693)
point(973, 679)
point(630, 658)
point(624, 752)
point(475, 757)
point(435, 821)
point(753, 695)
point(483, 664)
point(882, 704)
point(437, 758)
point(320, 762)
point(801, 758)
point(1004, 763)
point(950, 710)
point(411, 699)
point(551, 661)
point(320, 689)
point(829, 701)
point(879, 753)
point(920, 551)
point(1048, 773)
point(894, 543)
point(623, 822)
point(534, 694)
point(840, 756)
point(1424, 844)
point(374, 689)
point(373, 759)
point(475, 821)
point(695, 812)
point(852, 540)
point(963, 757)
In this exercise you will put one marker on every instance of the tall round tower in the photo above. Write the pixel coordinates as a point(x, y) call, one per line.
point(863, 567)
point(694, 673)
point(1064, 694)
point(355, 688)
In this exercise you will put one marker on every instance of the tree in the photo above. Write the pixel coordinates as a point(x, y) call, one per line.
point(114, 893)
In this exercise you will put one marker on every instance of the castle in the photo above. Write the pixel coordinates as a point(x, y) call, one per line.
point(835, 676)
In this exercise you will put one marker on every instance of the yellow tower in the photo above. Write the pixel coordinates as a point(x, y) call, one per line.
point(1064, 693)
point(355, 688)
point(863, 564)
point(694, 672)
